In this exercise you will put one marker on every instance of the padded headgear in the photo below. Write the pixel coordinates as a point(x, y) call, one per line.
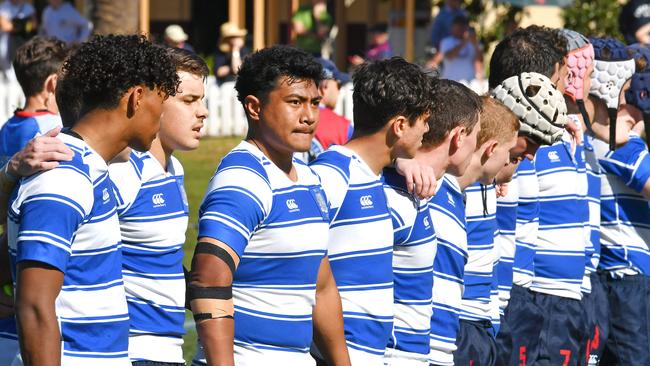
point(613, 66)
point(540, 107)
point(580, 57)
point(639, 93)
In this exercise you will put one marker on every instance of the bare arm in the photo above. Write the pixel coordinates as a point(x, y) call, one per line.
point(328, 318)
point(38, 285)
point(217, 333)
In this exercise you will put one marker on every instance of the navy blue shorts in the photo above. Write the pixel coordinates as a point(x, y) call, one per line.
point(521, 325)
point(629, 333)
point(564, 331)
point(476, 344)
point(596, 307)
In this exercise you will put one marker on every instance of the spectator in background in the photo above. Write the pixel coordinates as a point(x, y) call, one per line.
point(332, 129)
point(441, 27)
point(62, 21)
point(462, 57)
point(634, 21)
point(230, 53)
point(311, 25)
point(380, 48)
point(176, 37)
point(17, 24)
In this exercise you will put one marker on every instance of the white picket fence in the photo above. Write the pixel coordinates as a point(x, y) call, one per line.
point(226, 116)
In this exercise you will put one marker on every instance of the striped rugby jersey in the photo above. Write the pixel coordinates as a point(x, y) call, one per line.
point(67, 218)
point(527, 224)
point(447, 211)
point(504, 241)
point(153, 213)
point(625, 214)
point(414, 250)
point(563, 212)
point(480, 214)
point(279, 229)
point(360, 251)
point(21, 128)
point(592, 225)
point(14, 135)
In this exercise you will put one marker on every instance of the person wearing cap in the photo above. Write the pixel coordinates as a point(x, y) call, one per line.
point(230, 53)
point(634, 21)
point(176, 37)
point(333, 128)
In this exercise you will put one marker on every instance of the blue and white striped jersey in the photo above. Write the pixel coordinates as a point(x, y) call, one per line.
point(67, 218)
point(504, 241)
point(153, 213)
point(563, 212)
point(14, 135)
point(414, 250)
point(480, 213)
point(360, 251)
point(279, 230)
point(625, 214)
point(592, 225)
point(527, 224)
point(448, 215)
point(21, 128)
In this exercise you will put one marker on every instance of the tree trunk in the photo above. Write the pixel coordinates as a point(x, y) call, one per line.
point(115, 16)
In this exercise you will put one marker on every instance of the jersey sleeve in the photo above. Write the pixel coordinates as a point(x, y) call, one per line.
point(50, 207)
point(127, 179)
point(630, 162)
point(238, 200)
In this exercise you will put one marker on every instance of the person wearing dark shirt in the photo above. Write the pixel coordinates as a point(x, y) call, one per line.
point(634, 21)
point(230, 53)
point(380, 48)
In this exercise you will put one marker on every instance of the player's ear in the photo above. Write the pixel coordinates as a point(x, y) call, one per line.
point(489, 150)
point(456, 137)
point(398, 125)
point(133, 100)
point(252, 107)
point(50, 83)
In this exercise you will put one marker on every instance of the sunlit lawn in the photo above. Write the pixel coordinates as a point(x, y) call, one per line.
point(199, 166)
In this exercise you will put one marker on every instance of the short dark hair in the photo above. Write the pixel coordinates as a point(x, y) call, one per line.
point(36, 60)
point(532, 49)
point(260, 71)
point(101, 70)
point(188, 61)
point(388, 88)
point(454, 104)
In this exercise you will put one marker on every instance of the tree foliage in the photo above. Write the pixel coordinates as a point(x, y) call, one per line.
point(593, 17)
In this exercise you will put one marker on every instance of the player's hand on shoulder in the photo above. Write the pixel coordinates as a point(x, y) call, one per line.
point(41, 153)
point(420, 179)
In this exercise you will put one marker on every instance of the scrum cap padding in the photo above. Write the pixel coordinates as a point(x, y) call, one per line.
point(612, 68)
point(540, 107)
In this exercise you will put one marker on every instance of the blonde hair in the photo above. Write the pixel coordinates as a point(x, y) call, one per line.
point(497, 121)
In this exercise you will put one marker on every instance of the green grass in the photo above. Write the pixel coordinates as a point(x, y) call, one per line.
point(199, 166)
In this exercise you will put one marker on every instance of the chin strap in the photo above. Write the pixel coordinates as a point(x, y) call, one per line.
point(584, 114)
point(612, 127)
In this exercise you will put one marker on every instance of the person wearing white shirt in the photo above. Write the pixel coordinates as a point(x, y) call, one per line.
point(62, 21)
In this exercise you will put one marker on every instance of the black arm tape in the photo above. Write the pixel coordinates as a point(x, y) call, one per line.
point(208, 316)
point(221, 293)
point(217, 251)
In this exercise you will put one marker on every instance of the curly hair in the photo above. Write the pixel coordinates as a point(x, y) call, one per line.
point(454, 104)
point(101, 70)
point(260, 71)
point(388, 88)
point(532, 49)
point(36, 60)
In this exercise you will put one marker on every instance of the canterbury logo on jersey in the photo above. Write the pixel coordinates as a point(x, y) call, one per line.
point(158, 200)
point(105, 195)
point(366, 201)
point(553, 157)
point(426, 222)
point(292, 205)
